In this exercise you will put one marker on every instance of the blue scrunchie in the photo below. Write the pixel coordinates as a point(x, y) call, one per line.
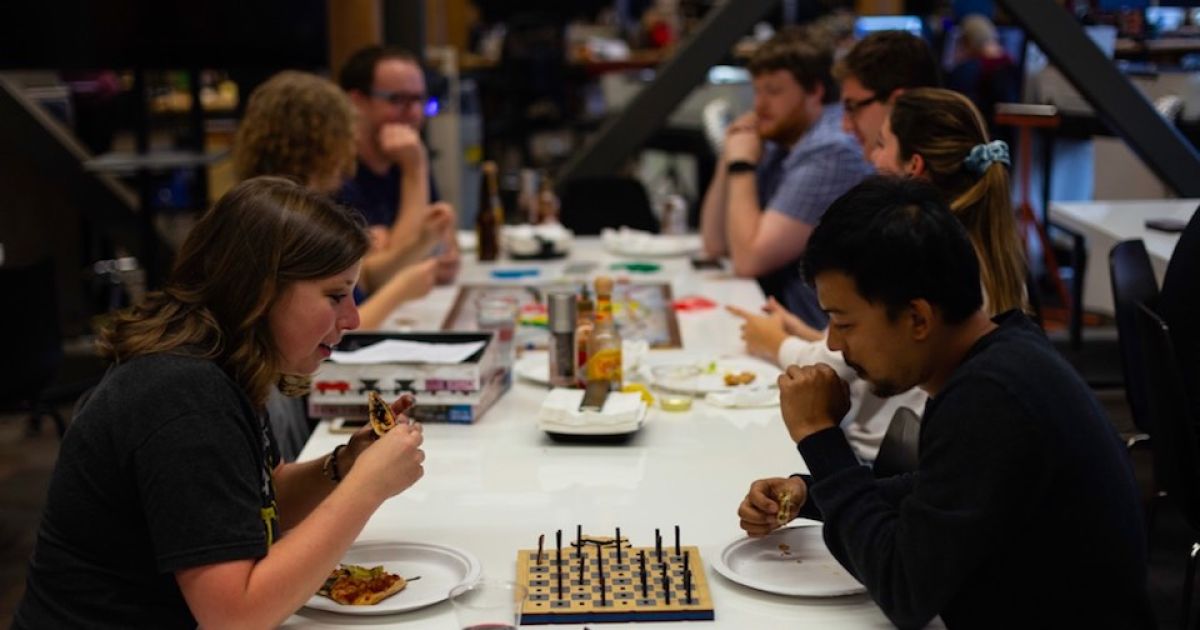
point(983, 155)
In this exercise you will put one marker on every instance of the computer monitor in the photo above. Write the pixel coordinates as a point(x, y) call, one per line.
point(867, 24)
point(1011, 38)
point(1165, 19)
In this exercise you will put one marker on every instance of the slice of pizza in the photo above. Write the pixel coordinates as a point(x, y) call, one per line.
point(380, 413)
point(352, 585)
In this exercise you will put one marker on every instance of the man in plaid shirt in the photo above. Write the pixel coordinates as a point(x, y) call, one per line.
point(781, 166)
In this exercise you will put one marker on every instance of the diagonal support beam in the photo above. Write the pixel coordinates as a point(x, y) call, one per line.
point(623, 135)
point(1160, 146)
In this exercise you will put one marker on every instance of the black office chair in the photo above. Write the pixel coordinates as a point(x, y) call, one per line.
point(1174, 432)
point(898, 453)
point(33, 352)
point(590, 204)
point(1132, 282)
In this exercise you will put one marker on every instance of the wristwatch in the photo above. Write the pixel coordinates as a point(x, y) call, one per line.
point(740, 166)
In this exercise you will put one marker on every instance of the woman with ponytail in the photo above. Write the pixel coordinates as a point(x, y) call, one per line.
point(940, 136)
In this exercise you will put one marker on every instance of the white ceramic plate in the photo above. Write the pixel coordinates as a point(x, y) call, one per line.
point(533, 367)
point(643, 244)
point(713, 380)
point(805, 569)
point(441, 568)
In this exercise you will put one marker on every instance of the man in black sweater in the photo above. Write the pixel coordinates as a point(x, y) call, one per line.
point(1023, 512)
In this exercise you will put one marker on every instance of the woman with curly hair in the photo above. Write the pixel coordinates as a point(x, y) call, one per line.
point(168, 500)
point(302, 126)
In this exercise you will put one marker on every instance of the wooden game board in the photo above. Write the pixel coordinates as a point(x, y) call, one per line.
point(624, 599)
point(642, 311)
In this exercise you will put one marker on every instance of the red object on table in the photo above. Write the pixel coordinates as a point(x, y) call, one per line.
point(693, 303)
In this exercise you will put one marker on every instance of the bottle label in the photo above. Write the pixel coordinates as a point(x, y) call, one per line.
point(605, 365)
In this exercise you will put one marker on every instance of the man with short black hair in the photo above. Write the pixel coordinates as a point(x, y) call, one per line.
point(875, 71)
point(1023, 511)
point(392, 186)
point(781, 166)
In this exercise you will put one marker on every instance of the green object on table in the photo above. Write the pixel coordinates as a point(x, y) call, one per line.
point(637, 267)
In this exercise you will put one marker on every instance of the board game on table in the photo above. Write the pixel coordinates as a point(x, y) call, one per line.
point(604, 579)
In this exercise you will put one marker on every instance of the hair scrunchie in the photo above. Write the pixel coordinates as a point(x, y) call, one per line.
point(983, 155)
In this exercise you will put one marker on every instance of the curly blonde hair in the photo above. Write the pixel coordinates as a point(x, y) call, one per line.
point(296, 125)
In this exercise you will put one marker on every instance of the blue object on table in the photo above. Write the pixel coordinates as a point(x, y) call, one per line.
point(521, 272)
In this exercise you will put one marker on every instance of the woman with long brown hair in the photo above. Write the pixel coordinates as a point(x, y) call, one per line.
point(168, 499)
point(940, 136)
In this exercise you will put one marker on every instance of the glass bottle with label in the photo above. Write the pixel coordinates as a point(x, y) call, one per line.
point(585, 313)
point(604, 348)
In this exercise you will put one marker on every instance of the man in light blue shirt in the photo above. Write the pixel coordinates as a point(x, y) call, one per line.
point(781, 166)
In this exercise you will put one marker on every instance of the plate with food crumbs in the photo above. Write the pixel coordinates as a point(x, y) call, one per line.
point(726, 375)
point(788, 561)
point(426, 574)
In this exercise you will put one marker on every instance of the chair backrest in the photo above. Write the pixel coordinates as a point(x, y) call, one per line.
point(1174, 433)
point(898, 452)
point(590, 204)
point(1132, 282)
point(33, 351)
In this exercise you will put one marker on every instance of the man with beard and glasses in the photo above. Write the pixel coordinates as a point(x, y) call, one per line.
point(1023, 511)
point(781, 165)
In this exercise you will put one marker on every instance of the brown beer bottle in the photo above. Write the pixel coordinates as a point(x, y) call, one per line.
point(491, 214)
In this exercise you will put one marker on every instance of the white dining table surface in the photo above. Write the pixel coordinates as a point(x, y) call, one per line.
point(1105, 223)
point(492, 487)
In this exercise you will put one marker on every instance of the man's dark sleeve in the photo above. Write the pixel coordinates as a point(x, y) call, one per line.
point(913, 539)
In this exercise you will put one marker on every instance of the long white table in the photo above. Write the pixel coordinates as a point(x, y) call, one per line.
point(1103, 224)
point(492, 487)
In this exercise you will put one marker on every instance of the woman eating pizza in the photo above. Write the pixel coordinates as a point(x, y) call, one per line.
point(168, 507)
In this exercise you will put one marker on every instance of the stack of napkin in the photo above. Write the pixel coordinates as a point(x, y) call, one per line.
point(560, 413)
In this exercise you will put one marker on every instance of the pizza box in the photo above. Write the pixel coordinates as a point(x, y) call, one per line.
point(445, 392)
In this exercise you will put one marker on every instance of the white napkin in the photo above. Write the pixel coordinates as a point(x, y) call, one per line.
point(562, 407)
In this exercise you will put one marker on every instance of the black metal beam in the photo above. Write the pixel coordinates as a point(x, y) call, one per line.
point(624, 134)
point(1154, 139)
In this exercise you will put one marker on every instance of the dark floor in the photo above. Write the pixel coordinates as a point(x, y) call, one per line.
point(26, 462)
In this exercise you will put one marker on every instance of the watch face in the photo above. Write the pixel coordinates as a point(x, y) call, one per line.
point(740, 166)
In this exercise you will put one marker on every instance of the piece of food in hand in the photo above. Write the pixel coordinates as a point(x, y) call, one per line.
point(352, 585)
point(785, 509)
point(382, 418)
point(740, 378)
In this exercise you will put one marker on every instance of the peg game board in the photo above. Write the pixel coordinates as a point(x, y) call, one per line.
point(641, 311)
point(598, 579)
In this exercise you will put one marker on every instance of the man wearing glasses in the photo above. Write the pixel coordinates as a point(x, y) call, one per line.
point(781, 165)
point(878, 68)
point(392, 186)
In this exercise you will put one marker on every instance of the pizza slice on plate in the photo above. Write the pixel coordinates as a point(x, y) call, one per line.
point(352, 585)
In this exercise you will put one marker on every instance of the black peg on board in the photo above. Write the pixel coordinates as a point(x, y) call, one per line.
point(600, 567)
point(558, 560)
point(618, 545)
point(658, 544)
point(677, 540)
point(666, 584)
point(579, 536)
point(642, 554)
point(687, 575)
point(582, 563)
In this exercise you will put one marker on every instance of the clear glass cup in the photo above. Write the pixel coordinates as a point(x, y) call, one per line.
point(499, 314)
point(488, 605)
point(675, 385)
